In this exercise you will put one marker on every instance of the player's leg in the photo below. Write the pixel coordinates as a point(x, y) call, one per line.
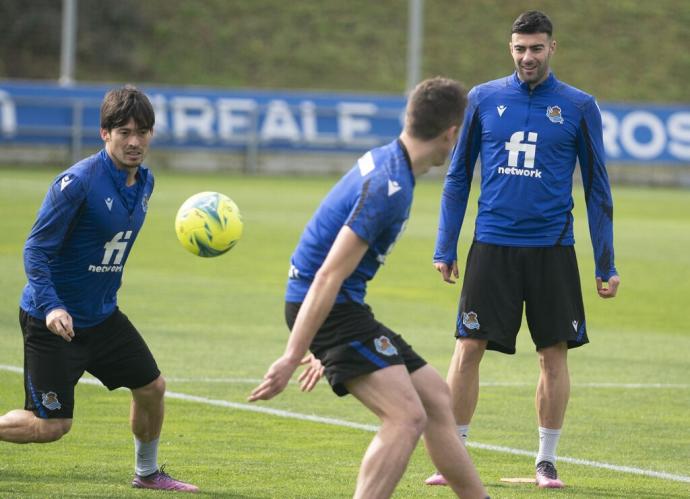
point(463, 379)
point(553, 389)
point(555, 315)
point(121, 358)
point(551, 400)
point(51, 368)
point(445, 448)
point(146, 420)
point(22, 427)
point(390, 395)
point(489, 317)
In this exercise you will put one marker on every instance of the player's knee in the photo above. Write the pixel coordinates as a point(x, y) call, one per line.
point(469, 353)
point(50, 430)
point(413, 421)
point(154, 390)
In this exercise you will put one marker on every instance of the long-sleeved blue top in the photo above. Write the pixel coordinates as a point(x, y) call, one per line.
point(528, 142)
point(76, 252)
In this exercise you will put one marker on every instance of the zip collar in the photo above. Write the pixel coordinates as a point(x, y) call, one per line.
point(544, 86)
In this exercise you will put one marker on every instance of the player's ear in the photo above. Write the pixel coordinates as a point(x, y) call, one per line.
point(105, 134)
point(452, 134)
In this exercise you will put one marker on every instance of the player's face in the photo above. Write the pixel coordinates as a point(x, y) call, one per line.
point(531, 54)
point(127, 145)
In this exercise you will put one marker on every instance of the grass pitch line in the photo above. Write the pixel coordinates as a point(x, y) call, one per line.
point(373, 428)
point(256, 381)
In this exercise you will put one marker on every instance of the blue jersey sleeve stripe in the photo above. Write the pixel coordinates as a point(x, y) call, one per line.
point(469, 164)
point(588, 182)
point(360, 204)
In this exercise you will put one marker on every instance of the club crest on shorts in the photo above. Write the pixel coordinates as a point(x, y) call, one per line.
point(50, 401)
point(469, 320)
point(554, 114)
point(384, 346)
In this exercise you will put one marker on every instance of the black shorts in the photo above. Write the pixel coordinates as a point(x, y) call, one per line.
point(499, 279)
point(112, 351)
point(352, 343)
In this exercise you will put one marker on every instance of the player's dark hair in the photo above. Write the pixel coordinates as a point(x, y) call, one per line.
point(122, 104)
point(435, 105)
point(531, 22)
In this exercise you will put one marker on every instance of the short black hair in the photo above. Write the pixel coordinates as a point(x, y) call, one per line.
point(435, 105)
point(125, 103)
point(532, 21)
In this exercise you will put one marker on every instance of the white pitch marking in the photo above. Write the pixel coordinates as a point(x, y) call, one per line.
point(373, 428)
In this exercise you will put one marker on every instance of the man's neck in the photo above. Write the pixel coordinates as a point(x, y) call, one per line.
point(420, 160)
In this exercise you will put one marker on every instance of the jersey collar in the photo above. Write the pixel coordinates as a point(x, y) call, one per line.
point(408, 160)
point(544, 86)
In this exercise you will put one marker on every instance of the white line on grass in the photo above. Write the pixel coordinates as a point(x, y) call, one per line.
point(255, 381)
point(373, 428)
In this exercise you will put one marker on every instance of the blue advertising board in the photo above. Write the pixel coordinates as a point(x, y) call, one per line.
point(190, 117)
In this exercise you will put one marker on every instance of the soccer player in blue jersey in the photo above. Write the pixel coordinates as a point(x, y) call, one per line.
point(74, 258)
point(341, 248)
point(528, 129)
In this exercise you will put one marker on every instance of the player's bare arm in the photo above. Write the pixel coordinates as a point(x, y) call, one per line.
point(344, 256)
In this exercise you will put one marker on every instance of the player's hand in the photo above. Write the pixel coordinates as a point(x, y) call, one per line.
point(60, 322)
point(275, 379)
point(448, 271)
point(610, 288)
point(311, 374)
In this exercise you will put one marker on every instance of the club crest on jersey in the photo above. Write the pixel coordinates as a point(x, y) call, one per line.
point(384, 346)
point(50, 401)
point(109, 203)
point(554, 114)
point(469, 320)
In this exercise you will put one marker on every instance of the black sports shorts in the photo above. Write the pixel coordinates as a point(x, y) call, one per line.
point(351, 343)
point(112, 351)
point(499, 279)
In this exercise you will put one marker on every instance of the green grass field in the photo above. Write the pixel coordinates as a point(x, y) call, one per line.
point(216, 324)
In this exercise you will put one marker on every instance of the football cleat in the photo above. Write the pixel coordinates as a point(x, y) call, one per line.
point(547, 476)
point(436, 479)
point(160, 480)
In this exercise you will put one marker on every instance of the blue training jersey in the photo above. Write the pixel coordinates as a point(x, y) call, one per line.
point(528, 142)
point(76, 252)
point(374, 200)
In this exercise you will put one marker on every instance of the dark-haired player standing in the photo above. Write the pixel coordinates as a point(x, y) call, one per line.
point(74, 258)
point(529, 129)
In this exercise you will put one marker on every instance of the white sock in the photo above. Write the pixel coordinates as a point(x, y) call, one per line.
point(463, 432)
point(548, 441)
point(145, 457)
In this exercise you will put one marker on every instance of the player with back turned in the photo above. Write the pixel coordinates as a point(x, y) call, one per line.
point(528, 129)
point(341, 248)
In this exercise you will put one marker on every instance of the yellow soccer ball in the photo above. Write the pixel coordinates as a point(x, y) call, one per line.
point(208, 224)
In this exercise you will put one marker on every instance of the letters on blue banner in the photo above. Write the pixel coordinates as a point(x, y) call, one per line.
point(46, 113)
